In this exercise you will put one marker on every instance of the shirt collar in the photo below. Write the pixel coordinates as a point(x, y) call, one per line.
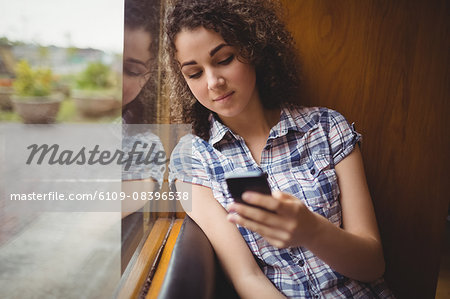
point(218, 129)
point(287, 123)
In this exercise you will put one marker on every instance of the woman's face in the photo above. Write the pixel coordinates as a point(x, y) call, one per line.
point(218, 80)
point(136, 63)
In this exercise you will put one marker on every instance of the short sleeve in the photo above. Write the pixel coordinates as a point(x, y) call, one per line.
point(186, 163)
point(342, 136)
point(149, 160)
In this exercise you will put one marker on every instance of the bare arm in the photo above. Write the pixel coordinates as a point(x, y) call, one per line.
point(229, 245)
point(129, 205)
point(354, 250)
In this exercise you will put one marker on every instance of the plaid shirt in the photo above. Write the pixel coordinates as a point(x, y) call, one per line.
point(146, 144)
point(299, 158)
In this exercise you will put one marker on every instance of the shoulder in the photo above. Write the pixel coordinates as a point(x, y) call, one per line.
point(145, 151)
point(145, 142)
point(188, 162)
point(306, 118)
point(191, 150)
point(190, 145)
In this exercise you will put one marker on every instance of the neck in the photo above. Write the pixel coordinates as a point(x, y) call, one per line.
point(254, 121)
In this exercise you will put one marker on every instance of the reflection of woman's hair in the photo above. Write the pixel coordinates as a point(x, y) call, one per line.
point(254, 27)
point(144, 14)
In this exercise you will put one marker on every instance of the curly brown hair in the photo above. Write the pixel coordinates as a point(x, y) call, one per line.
point(255, 28)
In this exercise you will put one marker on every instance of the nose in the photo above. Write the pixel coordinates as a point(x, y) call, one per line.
point(215, 80)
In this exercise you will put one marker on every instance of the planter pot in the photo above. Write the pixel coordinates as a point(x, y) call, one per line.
point(95, 105)
point(37, 110)
point(5, 98)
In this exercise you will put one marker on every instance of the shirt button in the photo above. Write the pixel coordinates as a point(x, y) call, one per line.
point(313, 171)
point(301, 263)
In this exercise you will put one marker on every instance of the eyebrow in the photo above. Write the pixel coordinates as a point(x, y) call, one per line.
point(211, 54)
point(216, 49)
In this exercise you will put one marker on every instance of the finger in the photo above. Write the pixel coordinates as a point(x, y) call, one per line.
point(261, 200)
point(258, 215)
point(277, 243)
point(260, 228)
point(279, 202)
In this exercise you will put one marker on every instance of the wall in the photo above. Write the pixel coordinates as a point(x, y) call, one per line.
point(385, 66)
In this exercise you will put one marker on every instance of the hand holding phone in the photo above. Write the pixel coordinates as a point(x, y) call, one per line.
point(254, 181)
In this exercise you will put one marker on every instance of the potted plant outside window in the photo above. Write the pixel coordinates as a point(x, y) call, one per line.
point(6, 91)
point(33, 98)
point(96, 92)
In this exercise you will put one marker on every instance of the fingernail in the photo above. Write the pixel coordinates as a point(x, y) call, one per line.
point(277, 194)
point(231, 217)
point(247, 196)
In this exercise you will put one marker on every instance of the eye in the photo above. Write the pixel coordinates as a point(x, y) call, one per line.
point(134, 70)
point(131, 73)
point(227, 60)
point(195, 76)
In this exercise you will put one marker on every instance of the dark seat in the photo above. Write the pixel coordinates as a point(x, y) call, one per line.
point(194, 271)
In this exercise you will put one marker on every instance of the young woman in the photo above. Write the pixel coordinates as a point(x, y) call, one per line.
point(141, 44)
point(232, 68)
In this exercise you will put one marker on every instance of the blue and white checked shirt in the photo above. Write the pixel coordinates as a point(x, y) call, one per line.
point(299, 158)
point(147, 145)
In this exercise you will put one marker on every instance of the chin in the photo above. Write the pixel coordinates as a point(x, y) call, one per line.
point(126, 100)
point(228, 113)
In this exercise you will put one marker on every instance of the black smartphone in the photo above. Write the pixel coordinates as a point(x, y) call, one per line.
point(240, 182)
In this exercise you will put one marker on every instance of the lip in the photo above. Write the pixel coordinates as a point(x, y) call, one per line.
point(224, 96)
